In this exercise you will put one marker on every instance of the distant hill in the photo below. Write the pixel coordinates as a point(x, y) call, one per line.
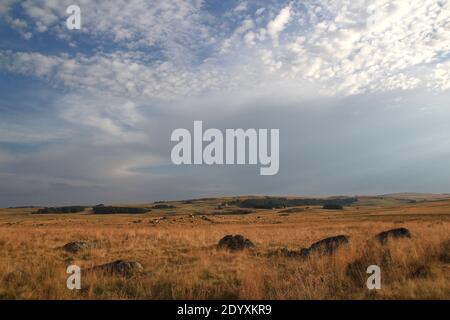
point(416, 196)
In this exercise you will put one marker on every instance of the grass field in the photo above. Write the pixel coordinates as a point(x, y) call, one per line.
point(181, 260)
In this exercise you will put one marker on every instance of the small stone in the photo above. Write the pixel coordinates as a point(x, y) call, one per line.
point(75, 246)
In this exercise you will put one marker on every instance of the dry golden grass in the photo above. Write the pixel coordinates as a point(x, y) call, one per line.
point(181, 261)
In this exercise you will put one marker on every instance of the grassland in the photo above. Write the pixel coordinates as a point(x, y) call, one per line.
point(181, 260)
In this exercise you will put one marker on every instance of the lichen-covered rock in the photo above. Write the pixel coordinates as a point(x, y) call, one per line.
point(383, 237)
point(328, 245)
point(324, 246)
point(236, 242)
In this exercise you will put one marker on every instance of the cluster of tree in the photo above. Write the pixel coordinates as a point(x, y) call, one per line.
point(113, 210)
point(68, 209)
point(163, 206)
point(24, 207)
point(276, 203)
point(333, 206)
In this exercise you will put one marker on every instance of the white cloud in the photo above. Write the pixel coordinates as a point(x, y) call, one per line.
point(351, 49)
point(118, 74)
point(173, 25)
point(28, 133)
point(112, 119)
point(269, 61)
point(278, 24)
point(242, 6)
point(340, 47)
point(441, 75)
point(260, 11)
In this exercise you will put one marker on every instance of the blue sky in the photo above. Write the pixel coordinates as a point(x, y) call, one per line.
point(359, 90)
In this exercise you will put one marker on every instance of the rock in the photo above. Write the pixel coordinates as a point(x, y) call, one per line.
point(328, 245)
point(206, 219)
point(120, 267)
point(303, 252)
point(324, 246)
point(236, 242)
point(75, 246)
point(382, 237)
point(158, 220)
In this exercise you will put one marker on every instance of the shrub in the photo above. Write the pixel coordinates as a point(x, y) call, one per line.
point(276, 203)
point(51, 210)
point(234, 212)
point(115, 210)
point(163, 206)
point(333, 206)
point(264, 203)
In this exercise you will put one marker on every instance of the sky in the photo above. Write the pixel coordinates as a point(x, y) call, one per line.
point(359, 89)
